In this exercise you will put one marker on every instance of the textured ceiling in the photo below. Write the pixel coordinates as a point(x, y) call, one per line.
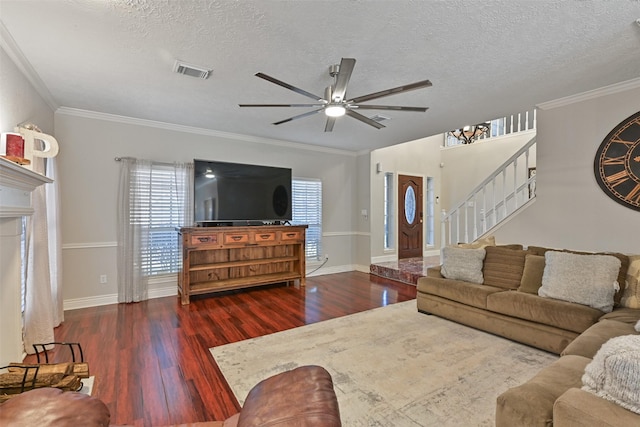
point(485, 59)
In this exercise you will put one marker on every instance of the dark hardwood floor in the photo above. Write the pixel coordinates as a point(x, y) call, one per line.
point(151, 360)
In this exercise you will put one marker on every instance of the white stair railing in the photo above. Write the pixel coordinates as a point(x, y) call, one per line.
point(510, 187)
point(502, 126)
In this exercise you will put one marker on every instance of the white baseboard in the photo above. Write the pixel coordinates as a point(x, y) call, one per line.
point(339, 269)
point(384, 258)
point(96, 301)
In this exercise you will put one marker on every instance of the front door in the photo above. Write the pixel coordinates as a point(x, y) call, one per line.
point(409, 216)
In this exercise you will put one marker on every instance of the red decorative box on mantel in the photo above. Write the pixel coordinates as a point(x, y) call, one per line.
point(12, 148)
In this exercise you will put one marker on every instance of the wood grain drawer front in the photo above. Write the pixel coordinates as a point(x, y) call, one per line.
point(204, 239)
point(265, 237)
point(290, 235)
point(235, 238)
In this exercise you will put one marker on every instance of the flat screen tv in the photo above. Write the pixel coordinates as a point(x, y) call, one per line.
point(240, 194)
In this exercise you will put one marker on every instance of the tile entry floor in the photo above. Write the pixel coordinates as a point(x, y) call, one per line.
point(406, 270)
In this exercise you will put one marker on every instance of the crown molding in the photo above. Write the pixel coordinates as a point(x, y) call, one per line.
point(198, 131)
point(592, 94)
point(10, 46)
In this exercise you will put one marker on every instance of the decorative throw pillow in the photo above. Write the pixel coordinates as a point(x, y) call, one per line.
point(583, 279)
point(532, 274)
point(480, 243)
point(622, 273)
point(614, 372)
point(503, 267)
point(631, 294)
point(462, 264)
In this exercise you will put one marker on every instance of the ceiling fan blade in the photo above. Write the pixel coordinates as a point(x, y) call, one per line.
point(281, 105)
point(288, 86)
point(364, 119)
point(405, 88)
point(389, 107)
point(299, 116)
point(330, 122)
point(344, 74)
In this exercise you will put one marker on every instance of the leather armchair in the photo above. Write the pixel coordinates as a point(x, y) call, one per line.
point(302, 397)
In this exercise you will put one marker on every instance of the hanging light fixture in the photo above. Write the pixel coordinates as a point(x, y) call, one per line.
point(469, 134)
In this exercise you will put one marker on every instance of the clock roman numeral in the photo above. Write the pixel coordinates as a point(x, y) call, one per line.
point(618, 178)
point(609, 161)
point(622, 141)
point(634, 195)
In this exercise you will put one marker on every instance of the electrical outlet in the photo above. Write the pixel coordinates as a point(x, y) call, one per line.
point(326, 257)
point(103, 279)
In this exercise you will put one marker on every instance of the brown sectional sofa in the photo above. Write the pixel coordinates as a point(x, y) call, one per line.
point(501, 305)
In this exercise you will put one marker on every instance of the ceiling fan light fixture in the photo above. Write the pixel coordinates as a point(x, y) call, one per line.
point(335, 111)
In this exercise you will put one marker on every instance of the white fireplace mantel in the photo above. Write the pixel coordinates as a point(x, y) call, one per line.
point(16, 185)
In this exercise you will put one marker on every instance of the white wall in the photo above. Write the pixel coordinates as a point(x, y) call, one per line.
point(19, 103)
point(571, 211)
point(89, 180)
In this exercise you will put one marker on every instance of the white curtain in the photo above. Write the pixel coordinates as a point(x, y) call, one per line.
point(43, 308)
point(135, 214)
point(132, 283)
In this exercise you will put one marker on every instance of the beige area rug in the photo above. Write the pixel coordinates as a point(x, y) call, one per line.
point(392, 366)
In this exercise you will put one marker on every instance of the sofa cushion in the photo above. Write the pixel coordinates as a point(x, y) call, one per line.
point(462, 264)
point(552, 312)
point(583, 279)
point(460, 291)
point(579, 408)
point(614, 372)
point(531, 403)
point(589, 342)
point(503, 267)
point(631, 294)
point(532, 274)
point(539, 250)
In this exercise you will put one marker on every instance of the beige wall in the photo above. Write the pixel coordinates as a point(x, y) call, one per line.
point(466, 166)
point(570, 209)
point(89, 181)
point(419, 158)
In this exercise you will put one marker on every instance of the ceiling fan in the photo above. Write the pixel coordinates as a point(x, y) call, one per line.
point(334, 102)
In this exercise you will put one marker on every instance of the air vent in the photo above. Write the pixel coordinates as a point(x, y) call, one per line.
point(378, 118)
point(191, 70)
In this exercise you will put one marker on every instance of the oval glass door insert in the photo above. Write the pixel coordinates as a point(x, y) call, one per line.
point(410, 205)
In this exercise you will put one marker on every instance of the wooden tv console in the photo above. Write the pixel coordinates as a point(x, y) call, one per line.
point(218, 259)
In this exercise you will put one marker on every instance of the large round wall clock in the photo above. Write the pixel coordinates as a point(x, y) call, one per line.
point(617, 163)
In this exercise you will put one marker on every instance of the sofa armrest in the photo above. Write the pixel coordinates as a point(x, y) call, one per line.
point(579, 408)
point(301, 397)
point(434, 271)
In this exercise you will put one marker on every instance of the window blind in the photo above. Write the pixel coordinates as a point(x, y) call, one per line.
point(307, 209)
point(158, 208)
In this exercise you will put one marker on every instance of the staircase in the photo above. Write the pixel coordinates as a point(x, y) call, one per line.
point(510, 188)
